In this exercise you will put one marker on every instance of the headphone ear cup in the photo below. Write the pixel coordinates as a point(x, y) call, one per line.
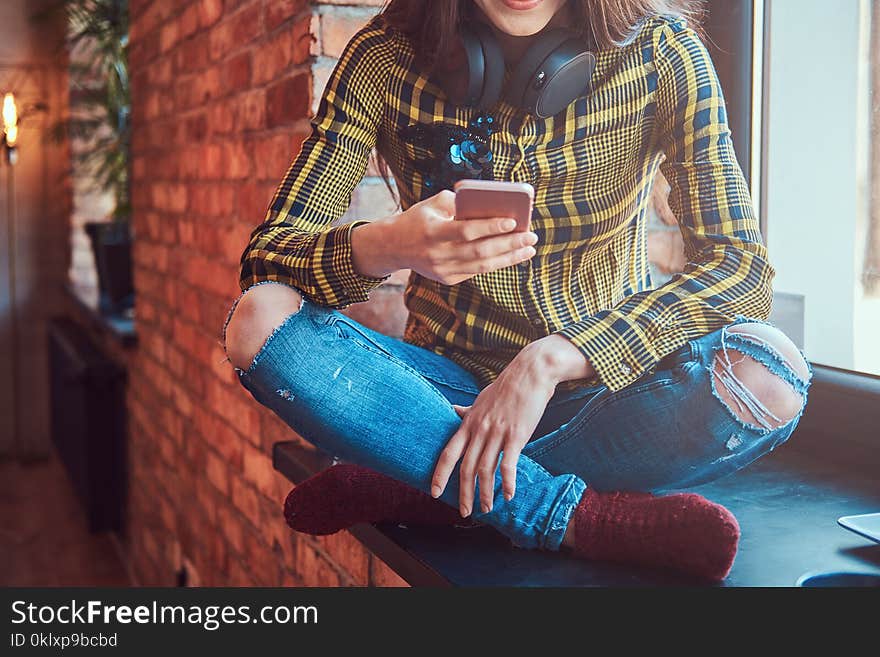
point(536, 84)
point(469, 86)
point(493, 65)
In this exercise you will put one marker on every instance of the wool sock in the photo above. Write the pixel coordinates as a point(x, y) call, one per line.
point(683, 532)
point(346, 494)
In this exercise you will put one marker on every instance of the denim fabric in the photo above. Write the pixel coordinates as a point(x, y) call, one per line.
point(380, 402)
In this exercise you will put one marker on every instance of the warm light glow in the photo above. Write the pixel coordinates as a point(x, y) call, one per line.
point(10, 120)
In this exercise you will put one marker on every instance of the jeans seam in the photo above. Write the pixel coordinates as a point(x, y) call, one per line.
point(556, 525)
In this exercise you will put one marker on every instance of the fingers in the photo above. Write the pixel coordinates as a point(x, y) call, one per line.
point(444, 201)
point(468, 475)
point(486, 468)
point(461, 410)
point(489, 247)
point(477, 229)
point(474, 229)
point(446, 463)
point(508, 470)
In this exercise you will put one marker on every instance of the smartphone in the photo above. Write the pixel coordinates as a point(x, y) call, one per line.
point(483, 199)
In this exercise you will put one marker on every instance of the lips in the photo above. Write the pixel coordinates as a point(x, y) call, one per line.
point(521, 5)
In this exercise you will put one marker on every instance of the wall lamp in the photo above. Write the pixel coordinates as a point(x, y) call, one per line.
point(10, 128)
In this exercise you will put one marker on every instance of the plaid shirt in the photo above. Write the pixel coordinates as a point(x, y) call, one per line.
point(656, 103)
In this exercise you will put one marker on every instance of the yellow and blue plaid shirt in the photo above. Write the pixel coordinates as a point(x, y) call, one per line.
point(656, 103)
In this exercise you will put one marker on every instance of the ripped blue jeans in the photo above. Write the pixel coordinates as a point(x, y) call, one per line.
point(385, 404)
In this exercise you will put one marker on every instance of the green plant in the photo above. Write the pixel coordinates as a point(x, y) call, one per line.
point(100, 96)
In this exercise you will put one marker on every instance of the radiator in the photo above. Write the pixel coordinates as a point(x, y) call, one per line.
point(87, 405)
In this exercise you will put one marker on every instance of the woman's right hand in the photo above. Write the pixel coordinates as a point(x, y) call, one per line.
point(427, 239)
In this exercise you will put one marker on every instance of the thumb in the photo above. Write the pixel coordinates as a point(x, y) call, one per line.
point(461, 410)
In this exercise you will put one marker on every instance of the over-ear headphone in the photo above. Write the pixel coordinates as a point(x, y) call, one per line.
point(554, 71)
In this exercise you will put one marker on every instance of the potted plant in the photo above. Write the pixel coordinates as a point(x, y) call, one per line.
point(100, 120)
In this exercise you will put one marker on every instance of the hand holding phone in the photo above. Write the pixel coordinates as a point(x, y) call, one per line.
point(427, 238)
point(484, 199)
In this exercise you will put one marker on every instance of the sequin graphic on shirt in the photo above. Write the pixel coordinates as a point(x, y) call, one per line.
point(457, 152)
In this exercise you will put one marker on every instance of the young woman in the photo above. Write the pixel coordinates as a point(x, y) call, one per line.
point(544, 385)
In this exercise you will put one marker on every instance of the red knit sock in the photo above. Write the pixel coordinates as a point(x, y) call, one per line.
point(344, 495)
point(684, 532)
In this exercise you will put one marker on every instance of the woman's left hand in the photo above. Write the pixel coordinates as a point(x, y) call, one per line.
point(503, 418)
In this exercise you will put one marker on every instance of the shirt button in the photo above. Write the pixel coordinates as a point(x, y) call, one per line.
point(625, 369)
point(537, 322)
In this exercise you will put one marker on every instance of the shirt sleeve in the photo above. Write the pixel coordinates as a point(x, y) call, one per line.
point(727, 272)
point(296, 243)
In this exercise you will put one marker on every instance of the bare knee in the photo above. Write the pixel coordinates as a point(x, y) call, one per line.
point(749, 389)
point(260, 310)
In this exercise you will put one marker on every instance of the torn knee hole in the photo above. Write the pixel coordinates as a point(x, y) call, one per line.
point(255, 320)
point(752, 393)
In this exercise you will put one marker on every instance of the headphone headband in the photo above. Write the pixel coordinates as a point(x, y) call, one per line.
point(554, 71)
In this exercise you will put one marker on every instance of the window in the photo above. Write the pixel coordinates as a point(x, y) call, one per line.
point(821, 177)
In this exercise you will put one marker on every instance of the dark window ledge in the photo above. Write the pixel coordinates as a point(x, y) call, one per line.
point(787, 506)
point(120, 328)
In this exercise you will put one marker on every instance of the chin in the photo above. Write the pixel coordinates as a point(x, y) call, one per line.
point(520, 17)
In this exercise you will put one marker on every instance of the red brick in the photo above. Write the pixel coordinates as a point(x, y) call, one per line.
point(272, 59)
point(170, 197)
point(233, 242)
point(168, 36)
point(210, 12)
point(182, 400)
point(215, 470)
point(314, 568)
point(240, 412)
point(224, 91)
point(189, 21)
point(279, 11)
point(235, 32)
point(287, 101)
point(151, 256)
point(196, 127)
point(258, 471)
point(349, 554)
point(382, 575)
point(232, 527)
point(253, 200)
point(237, 72)
point(266, 563)
point(273, 157)
point(246, 500)
point(193, 54)
point(160, 73)
point(251, 110)
point(219, 436)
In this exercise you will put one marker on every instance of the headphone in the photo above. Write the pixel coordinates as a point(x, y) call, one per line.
point(554, 71)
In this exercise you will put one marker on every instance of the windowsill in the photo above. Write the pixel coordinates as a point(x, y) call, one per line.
point(787, 506)
point(119, 327)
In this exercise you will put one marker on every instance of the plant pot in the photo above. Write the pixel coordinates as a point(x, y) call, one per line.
point(111, 245)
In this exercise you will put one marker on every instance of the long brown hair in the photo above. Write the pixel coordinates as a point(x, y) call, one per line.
point(432, 24)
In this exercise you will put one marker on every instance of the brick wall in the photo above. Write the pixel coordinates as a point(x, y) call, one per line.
point(223, 90)
point(222, 94)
